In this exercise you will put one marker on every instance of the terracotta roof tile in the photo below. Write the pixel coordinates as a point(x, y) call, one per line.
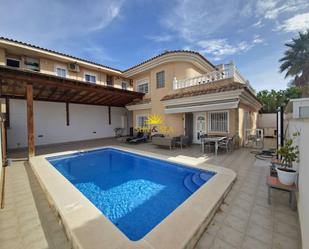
point(215, 87)
point(171, 52)
point(58, 53)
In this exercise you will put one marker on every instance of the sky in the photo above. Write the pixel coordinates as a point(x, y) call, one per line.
point(123, 33)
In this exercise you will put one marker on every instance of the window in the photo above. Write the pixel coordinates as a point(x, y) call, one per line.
point(160, 79)
point(90, 78)
point(61, 72)
point(141, 120)
point(124, 86)
point(247, 120)
point(304, 111)
point(32, 64)
point(218, 121)
point(109, 80)
point(10, 62)
point(142, 85)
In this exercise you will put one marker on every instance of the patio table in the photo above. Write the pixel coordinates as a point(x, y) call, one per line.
point(215, 140)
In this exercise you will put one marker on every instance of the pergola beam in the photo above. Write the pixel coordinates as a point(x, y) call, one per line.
point(53, 89)
point(30, 123)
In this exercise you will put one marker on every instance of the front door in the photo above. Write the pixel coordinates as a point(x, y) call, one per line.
point(199, 126)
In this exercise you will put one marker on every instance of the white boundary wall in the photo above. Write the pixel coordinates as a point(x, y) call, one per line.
point(302, 125)
point(267, 120)
point(86, 122)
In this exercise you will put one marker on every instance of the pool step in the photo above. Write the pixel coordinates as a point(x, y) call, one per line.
point(189, 184)
point(205, 177)
point(196, 178)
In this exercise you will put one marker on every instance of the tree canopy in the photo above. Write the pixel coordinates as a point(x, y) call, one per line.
point(295, 62)
point(271, 100)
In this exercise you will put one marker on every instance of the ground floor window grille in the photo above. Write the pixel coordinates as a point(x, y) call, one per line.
point(218, 121)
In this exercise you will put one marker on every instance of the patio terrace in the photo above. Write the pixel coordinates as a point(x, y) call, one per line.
point(244, 220)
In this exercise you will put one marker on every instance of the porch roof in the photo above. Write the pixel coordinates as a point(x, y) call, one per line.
point(56, 89)
point(208, 88)
point(206, 106)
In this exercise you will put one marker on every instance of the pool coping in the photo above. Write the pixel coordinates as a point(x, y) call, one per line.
point(87, 228)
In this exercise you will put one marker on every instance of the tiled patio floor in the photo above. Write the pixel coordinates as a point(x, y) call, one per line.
point(245, 220)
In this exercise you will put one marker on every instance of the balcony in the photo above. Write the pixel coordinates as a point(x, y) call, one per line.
point(225, 71)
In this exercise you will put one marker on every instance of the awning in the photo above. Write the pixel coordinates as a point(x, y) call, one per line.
point(203, 107)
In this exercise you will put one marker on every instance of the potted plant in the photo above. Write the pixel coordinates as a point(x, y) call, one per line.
point(289, 154)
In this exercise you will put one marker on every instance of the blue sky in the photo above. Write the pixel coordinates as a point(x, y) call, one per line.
point(123, 33)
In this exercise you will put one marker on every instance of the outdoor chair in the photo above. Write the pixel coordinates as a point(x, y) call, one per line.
point(164, 141)
point(226, 144)
point(182, 141)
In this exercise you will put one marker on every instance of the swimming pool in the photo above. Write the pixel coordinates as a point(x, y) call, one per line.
point(133, 191)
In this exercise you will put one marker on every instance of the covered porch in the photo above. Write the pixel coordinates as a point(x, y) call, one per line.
point(34, 87)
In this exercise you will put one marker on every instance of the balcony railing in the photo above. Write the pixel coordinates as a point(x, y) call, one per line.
point(225, 71)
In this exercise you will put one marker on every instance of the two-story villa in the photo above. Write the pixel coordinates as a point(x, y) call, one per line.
point(194, 96)
point(75, 99)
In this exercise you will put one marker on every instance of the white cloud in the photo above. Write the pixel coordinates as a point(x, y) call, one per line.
point(50, 22)
point(271, 9)
point(298, 22)
point(257, 39)
point(258, 24)
point(195, 21)
point(221, 47)
point(160, 38)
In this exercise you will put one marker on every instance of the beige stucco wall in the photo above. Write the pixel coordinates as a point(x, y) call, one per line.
point(2, 57)
point(48, 65)
point(241, 121)
point(179, 70)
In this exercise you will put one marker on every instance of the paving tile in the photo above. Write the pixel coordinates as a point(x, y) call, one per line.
point(284, 242)
point(283, 218)
point(242, 204)
point(251, 243)
point(240, 213)
point(213, 227)
point(205, 241)
point(220, 244)
point(259, 233)
point(236, 223)
point(290, 231)
point(231, 236)
point(262, 220)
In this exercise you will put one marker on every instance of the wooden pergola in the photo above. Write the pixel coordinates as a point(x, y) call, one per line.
point(30, 85)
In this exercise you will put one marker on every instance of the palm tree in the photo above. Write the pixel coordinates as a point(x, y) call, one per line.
point(296, 61)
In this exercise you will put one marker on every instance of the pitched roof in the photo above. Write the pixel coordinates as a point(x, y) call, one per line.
point(172, 52)
point(58, 53)
point(101, 65)
point(214, 87)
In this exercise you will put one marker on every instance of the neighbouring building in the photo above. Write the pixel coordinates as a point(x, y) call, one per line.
point(192, 95)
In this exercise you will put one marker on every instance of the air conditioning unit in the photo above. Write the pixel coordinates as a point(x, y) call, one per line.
point(73, 67)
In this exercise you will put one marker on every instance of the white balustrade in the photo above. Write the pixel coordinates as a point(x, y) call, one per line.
point(225, 71)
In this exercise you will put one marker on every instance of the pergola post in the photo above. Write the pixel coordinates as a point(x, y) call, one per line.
point(30, 124)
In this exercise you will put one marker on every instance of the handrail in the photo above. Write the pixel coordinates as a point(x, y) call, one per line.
point(225, 71)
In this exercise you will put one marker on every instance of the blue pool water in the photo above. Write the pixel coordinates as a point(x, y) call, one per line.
point(134, 192)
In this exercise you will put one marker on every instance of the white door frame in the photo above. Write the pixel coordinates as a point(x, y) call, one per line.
point(198, 128)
